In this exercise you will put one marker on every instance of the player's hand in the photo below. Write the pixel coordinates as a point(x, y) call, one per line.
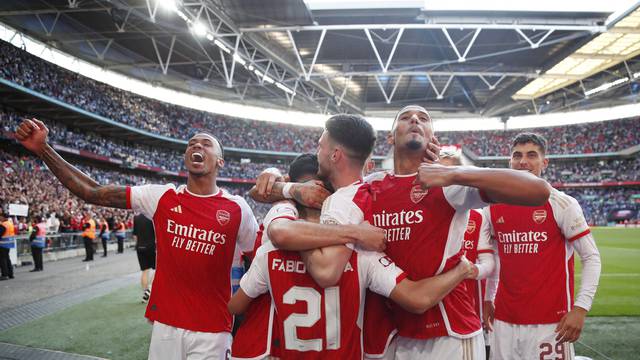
point(466, 267)
point(435, 175)
point(265, 181)
point(32, 134)
point(488, 315)
point(432, 152)
point(370, 237)
point(310, 194)
point(571, 325)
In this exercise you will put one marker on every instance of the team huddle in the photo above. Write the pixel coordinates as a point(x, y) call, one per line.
point(348, 265)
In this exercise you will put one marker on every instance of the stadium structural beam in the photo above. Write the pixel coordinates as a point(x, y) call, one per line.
point(164, 64)
point(384, 66)
point(430, 26)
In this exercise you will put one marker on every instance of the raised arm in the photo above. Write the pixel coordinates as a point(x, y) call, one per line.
point(32, 134)
point(507, 186)
point(271, 188)
point(419, 296)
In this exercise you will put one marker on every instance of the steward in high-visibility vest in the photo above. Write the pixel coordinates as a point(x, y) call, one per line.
point(38, 242)
point(7, 242)
point(88, 235)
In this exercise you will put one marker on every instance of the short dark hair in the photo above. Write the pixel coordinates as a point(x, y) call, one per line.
point(213, 136)
point(529, 137)
point(304, 164)
point(354, 133)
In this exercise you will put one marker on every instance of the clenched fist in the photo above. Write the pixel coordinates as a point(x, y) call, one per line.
point(32, 134)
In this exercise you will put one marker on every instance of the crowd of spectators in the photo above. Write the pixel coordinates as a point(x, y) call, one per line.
point(130, 153)
point(599, 203)
point(598, 137)
point(179, 122)
point(583, 171)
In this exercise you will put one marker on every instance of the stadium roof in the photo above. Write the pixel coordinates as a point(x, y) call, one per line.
point(314, 57)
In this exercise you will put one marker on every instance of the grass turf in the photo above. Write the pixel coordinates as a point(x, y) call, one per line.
point(619, 289)
point(112, 326)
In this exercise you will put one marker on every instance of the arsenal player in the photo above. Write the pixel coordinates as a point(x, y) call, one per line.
point(326, 323)
point(536, 315)
point(197, 226)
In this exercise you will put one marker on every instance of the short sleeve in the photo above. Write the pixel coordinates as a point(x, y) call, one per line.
point(282, 209)
point(145, 198)
point(380, 273)
point(248, 227)
point(339, 209)
point(255, 281)
point(464, 197)
point(568, 215)
point(486, 217)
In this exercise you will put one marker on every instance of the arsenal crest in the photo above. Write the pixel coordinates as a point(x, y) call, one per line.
point(539, 216)
point(471, 227)
point(223, 217)
point(417, 194)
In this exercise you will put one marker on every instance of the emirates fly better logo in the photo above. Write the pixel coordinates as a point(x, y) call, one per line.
point(539, 216)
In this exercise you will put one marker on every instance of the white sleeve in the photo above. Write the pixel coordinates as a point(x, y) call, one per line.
point(380, 273)
point(591, 266)
point(339, 209)
point(255, 280)
point(485, 262)
point(464, 197)
point(493, 281)
point(568, 215)
point(248, 228)
point(282, 209)
point(145, 198)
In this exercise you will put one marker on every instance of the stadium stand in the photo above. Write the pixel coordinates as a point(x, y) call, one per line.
point(178, 122)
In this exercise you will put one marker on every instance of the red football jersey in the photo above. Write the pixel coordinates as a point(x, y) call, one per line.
point(317, 323)
point(258, 335)
point(196, 239)
point(476, 242)
point(536, 258)
point(424, 237)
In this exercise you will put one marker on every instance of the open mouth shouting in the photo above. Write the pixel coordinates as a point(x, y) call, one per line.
point(197, 158)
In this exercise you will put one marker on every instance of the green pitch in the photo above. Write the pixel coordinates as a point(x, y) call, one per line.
point(619, 289)
point(114, 327)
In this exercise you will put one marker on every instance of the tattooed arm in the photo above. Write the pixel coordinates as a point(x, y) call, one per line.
point(311, 193)
point(32, 134)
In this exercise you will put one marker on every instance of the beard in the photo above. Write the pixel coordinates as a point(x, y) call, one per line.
point(413, 145)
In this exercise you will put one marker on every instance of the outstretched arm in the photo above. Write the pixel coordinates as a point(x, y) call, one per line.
point(293, 235)
point(499, 185)
point(419, 296)
point(32, 134)
point(270, 188)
